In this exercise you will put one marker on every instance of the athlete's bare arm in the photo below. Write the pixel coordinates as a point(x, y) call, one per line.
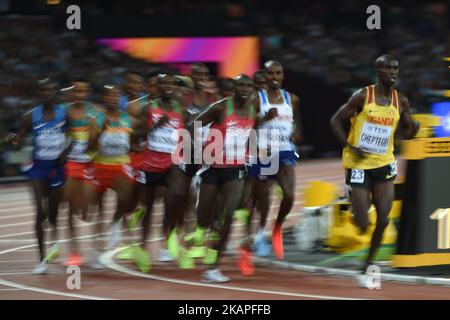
point(353, 106)
point(136, 135)
point(143, 127)
point(271, 114)
point(408, 126)
point(297, 135)
point(94, 133)
point(16, 139)
point(212, 113)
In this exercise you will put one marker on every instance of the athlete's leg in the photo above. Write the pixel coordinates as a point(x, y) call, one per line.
point(40, 193)
point(232, 192)
point(262, 195)
point(383, 195)
point(217, 213)
point(177, 193)
point(95, 198)
point(208, 194)
point(72, 190)
point(248, 201)
point(150, 191)
point(123, 189)
point(286, 179)
point(54, 199)
point(360, 199)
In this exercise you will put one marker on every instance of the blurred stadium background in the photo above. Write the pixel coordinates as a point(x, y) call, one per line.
point(325, 47)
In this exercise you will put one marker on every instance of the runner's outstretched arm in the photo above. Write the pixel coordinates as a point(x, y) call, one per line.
point(408, 126)
point(349, 109)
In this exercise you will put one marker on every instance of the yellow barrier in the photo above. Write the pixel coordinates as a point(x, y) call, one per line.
point(345, 235)
point(426, 148)
point(427, 122)
point(320, 193)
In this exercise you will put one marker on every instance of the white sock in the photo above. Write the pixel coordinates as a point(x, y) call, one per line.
point(260, 234)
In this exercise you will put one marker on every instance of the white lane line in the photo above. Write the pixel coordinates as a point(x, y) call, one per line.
point(17, 215)
point(53, 292)
point(80, 224)
point(14, 261)
point(107, 260)
point(40, 290)
point(10, 289)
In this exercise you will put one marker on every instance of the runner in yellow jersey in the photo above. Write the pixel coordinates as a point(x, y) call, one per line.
point(374, 112)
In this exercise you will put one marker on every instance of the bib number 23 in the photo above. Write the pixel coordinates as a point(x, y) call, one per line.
point(357, 176)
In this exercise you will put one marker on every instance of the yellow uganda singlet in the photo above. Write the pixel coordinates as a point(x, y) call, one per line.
point(372, 130)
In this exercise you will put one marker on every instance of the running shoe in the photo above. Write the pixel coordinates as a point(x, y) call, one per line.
point(197, 237)
point(184, 260)
point(277, 242)
point(165, 256)
point(127, 253)
point(53, 253)
point(75, 259)
point(41, 268)
point(245, 262)
point(213, 236)
point(211, 256)
point(261, 247)
point(363, 281)
point(142, 259)
point(197, 252)
point(242, 215)
point(214, 276)
point(135, 217)
point(173, 245)
point(115, 236)
point(96, 264)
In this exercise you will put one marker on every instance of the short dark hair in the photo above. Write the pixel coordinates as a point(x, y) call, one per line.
point(383, 59)
point(269, 63)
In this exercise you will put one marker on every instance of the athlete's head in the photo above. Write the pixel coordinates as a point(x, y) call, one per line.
point(80, 90)
point(226, 86)
point(273, 71)
point(47, 88)
point(387, 69)
point(167, 85)
point(111, 96)
point(184, 84)
point(243, 87)
point(152, 86)
point(134, 84)
point(200, 73)
point(259, 79)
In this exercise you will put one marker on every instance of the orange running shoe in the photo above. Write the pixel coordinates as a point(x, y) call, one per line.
point(74, 260)
point(277, 242)
point(245, 262)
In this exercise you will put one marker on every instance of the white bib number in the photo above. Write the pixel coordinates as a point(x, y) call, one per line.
point(50, 145)
point(236, 143)
point(357, 176)
point(277, 134)
point(163, 139)
point(374, 138)
point(78, 151)
point(394, 170)
point(140, 177)
point(114, 144)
